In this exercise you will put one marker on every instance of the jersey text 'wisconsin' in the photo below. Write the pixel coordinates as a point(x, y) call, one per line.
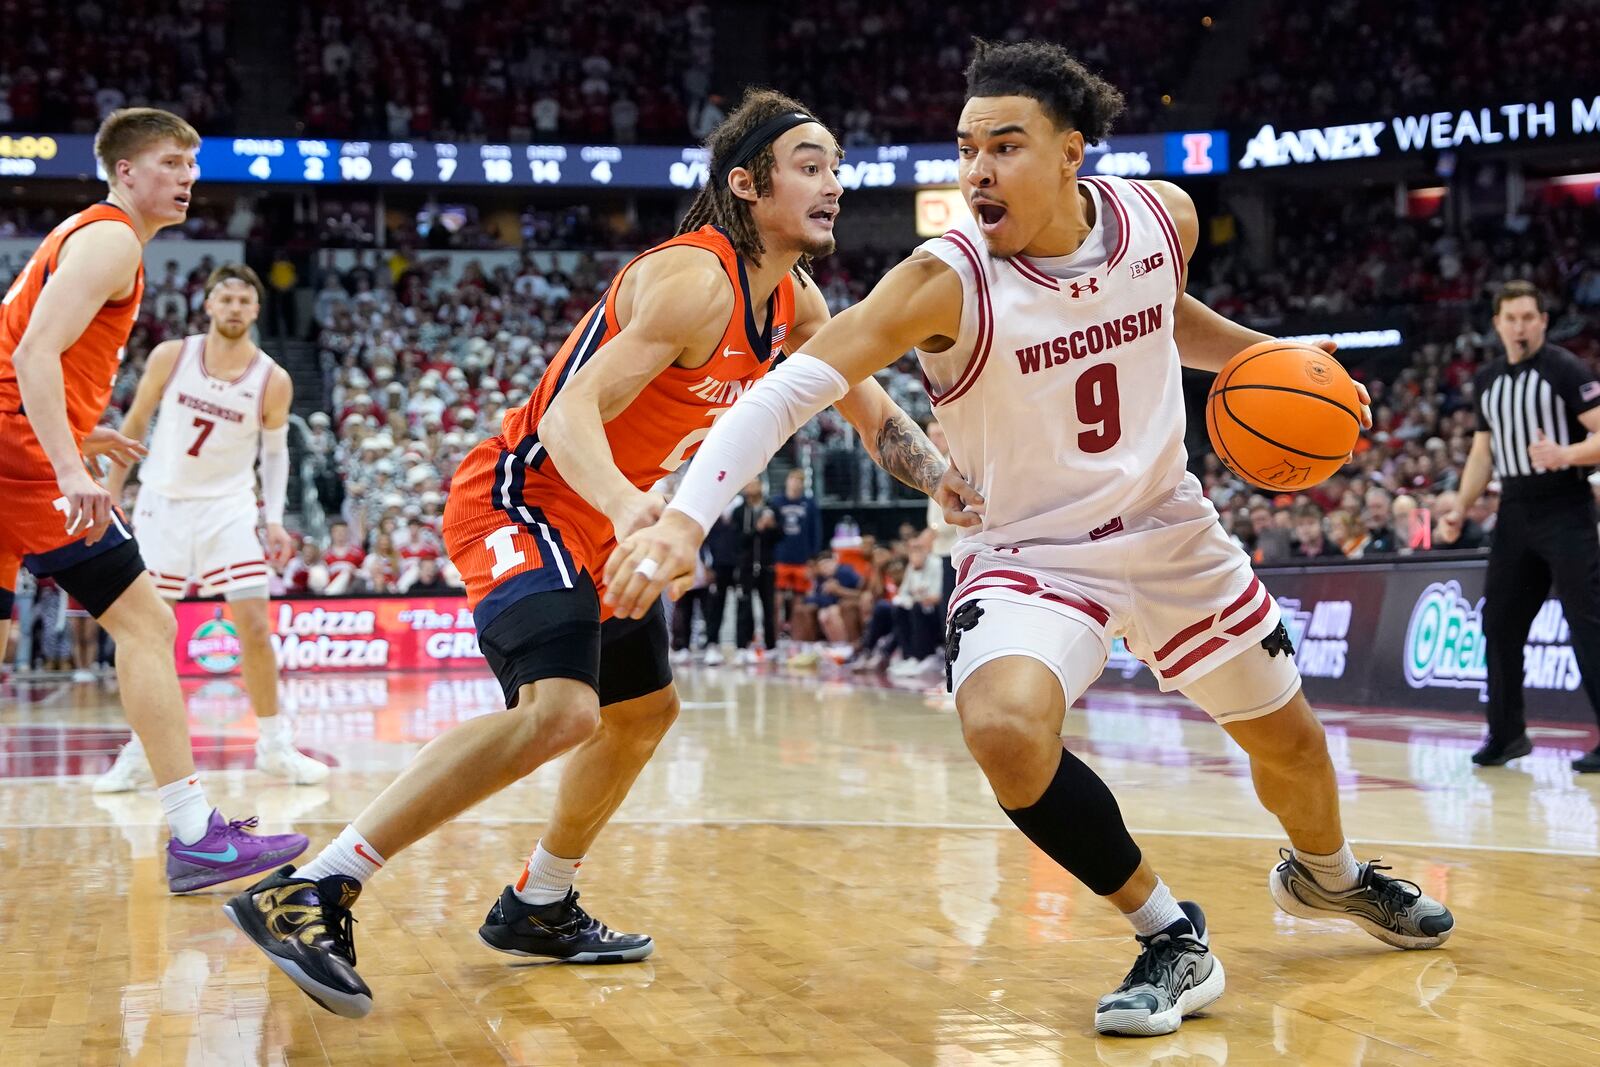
point(1090, 341)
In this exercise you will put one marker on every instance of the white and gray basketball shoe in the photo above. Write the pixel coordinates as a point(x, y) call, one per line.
point(130, 770)
point(1394, 911)
point(1175, 976)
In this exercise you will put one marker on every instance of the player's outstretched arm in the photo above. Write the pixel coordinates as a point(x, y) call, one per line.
point(917, 304)
point(136, 423)
point(275, 463)
point(1205, 339)
point(97, 264)
point(681, 300)
point(892, 438)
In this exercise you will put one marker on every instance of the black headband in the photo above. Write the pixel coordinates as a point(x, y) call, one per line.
point(759, 138)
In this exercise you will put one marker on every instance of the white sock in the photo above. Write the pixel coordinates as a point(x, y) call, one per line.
point(545, 877)
point(349, 854)
point(1337, 872)
point(1157, 913)
point(184, 803)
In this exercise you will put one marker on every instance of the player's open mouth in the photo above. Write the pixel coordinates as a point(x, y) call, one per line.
point(989, 215)
point(182, 200)
point(826, 215)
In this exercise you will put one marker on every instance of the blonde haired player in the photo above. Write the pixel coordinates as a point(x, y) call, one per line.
point(219, 401)
point(63, 325)
point(1050, 325)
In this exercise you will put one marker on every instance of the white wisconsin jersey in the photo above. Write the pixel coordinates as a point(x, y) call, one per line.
point(1062, 397)
point(208, 429)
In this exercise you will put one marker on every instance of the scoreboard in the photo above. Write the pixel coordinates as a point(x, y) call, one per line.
point(325, 161)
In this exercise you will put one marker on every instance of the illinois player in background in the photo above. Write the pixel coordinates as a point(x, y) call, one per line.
point(63, 326)
point(680, 332)
point(219, 402)
point(1051, 325)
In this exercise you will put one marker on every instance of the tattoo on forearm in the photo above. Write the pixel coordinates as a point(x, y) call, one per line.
point(905, 452)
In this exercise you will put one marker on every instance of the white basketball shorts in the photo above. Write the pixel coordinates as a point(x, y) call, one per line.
point(210, 541)
point(1168, 581)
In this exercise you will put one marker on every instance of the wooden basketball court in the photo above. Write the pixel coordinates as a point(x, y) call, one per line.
point(828, 880)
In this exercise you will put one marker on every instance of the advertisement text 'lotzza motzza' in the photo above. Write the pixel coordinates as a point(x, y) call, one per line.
point(366, 634)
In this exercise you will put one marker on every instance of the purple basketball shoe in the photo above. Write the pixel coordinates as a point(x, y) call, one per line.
point(228, 851)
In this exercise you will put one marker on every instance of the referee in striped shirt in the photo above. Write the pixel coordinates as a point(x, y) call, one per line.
point(1537, 408)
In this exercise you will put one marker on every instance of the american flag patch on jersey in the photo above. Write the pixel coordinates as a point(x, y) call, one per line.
point(779, 332)
point(1590, 390)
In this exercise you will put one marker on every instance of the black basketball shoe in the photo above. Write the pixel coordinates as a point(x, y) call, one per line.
point(305, 928)
point(1392, 910)
point(1175, 976)
point(1495, 754)
point(561, 931)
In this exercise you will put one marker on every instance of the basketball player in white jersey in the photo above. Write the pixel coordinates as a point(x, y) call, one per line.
point(1051, 327)
point(219, 401)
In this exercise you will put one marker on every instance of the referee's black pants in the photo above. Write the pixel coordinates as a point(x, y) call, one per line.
point(1537, 541)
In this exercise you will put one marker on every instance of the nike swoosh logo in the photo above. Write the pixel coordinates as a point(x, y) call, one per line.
point(729, 350)
point(227, 855)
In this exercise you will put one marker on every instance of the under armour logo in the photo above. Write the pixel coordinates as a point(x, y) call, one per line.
point(1091, 286)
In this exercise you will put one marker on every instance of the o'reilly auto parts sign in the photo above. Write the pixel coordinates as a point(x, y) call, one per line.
point(1445, 648)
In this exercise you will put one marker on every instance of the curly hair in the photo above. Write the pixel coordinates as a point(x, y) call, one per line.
point(715, 204)
point(1070, 94)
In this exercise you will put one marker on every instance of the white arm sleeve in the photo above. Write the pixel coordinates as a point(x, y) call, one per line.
point(274, 473)
point(744, 440)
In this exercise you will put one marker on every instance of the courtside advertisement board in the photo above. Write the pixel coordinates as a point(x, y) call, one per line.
point(336, 634)
point(1405, 635)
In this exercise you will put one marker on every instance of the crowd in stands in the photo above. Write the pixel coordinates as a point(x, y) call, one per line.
point(617, 72)
point(882, 71)
point(497, 70)
point(1350, 60)
point(892, 71)
point(1335, 252)
point(205, 223)
point(1341, 252)
point(65, 66)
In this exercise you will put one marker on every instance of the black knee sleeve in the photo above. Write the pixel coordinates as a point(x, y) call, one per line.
point(98, 581)
point(1077, 823)
point(8, 600)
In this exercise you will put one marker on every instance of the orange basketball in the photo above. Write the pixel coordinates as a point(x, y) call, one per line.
point(1283, 415)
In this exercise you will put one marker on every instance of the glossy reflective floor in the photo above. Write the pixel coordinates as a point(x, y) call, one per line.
point(828, 880)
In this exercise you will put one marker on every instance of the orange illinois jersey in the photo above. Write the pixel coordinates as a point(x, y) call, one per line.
point(512, 524)
point(664, 425)
point(89, 365)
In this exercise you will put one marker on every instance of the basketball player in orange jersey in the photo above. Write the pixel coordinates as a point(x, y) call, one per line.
point(63, 326)
point(680, 333)
point(1050, 325)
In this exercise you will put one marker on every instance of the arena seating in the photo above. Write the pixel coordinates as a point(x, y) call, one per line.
point(65, 66)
